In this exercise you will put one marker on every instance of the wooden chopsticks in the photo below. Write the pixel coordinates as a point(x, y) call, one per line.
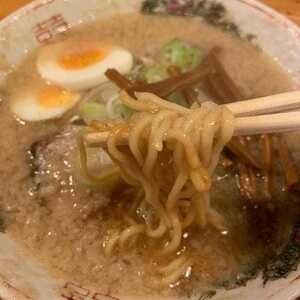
point(265, 105)
point(252, 117)
point(272, 114)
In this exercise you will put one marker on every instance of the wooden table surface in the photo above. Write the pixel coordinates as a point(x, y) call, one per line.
point(289, 7)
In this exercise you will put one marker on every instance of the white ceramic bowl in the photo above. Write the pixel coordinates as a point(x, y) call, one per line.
point(20, 276)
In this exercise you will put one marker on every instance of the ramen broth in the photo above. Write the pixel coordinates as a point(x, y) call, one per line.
point(63, 223)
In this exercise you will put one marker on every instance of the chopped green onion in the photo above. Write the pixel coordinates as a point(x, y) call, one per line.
point(92, 111)
point(122, 110)
point(154, 73)
point(180, 54)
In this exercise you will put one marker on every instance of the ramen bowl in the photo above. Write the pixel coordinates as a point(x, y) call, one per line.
point(21, 277)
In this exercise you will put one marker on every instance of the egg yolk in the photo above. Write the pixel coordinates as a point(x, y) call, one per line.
point(53, 96)
point(82, 59)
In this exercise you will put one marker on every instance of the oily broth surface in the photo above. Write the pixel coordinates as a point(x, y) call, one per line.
point(70, 243)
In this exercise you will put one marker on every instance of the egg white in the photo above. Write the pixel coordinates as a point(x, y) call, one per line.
point(27, 107)
point(85, 78)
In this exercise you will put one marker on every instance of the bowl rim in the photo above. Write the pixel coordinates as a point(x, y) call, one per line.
point(260, 7)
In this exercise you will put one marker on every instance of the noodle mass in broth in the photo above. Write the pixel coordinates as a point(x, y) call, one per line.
point(191, 142)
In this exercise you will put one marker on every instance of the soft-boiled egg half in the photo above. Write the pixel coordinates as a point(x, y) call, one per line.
point(82, 65)
point(43, 103)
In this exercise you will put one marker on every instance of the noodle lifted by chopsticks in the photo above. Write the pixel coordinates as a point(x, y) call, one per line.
point(171, 154)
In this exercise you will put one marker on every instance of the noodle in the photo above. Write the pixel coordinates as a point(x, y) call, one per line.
point(111, 172)
point(191, 141)
point(141, 123)
point(129, 233)
point(158, 130)
point(176, 269)
point(110, 243)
